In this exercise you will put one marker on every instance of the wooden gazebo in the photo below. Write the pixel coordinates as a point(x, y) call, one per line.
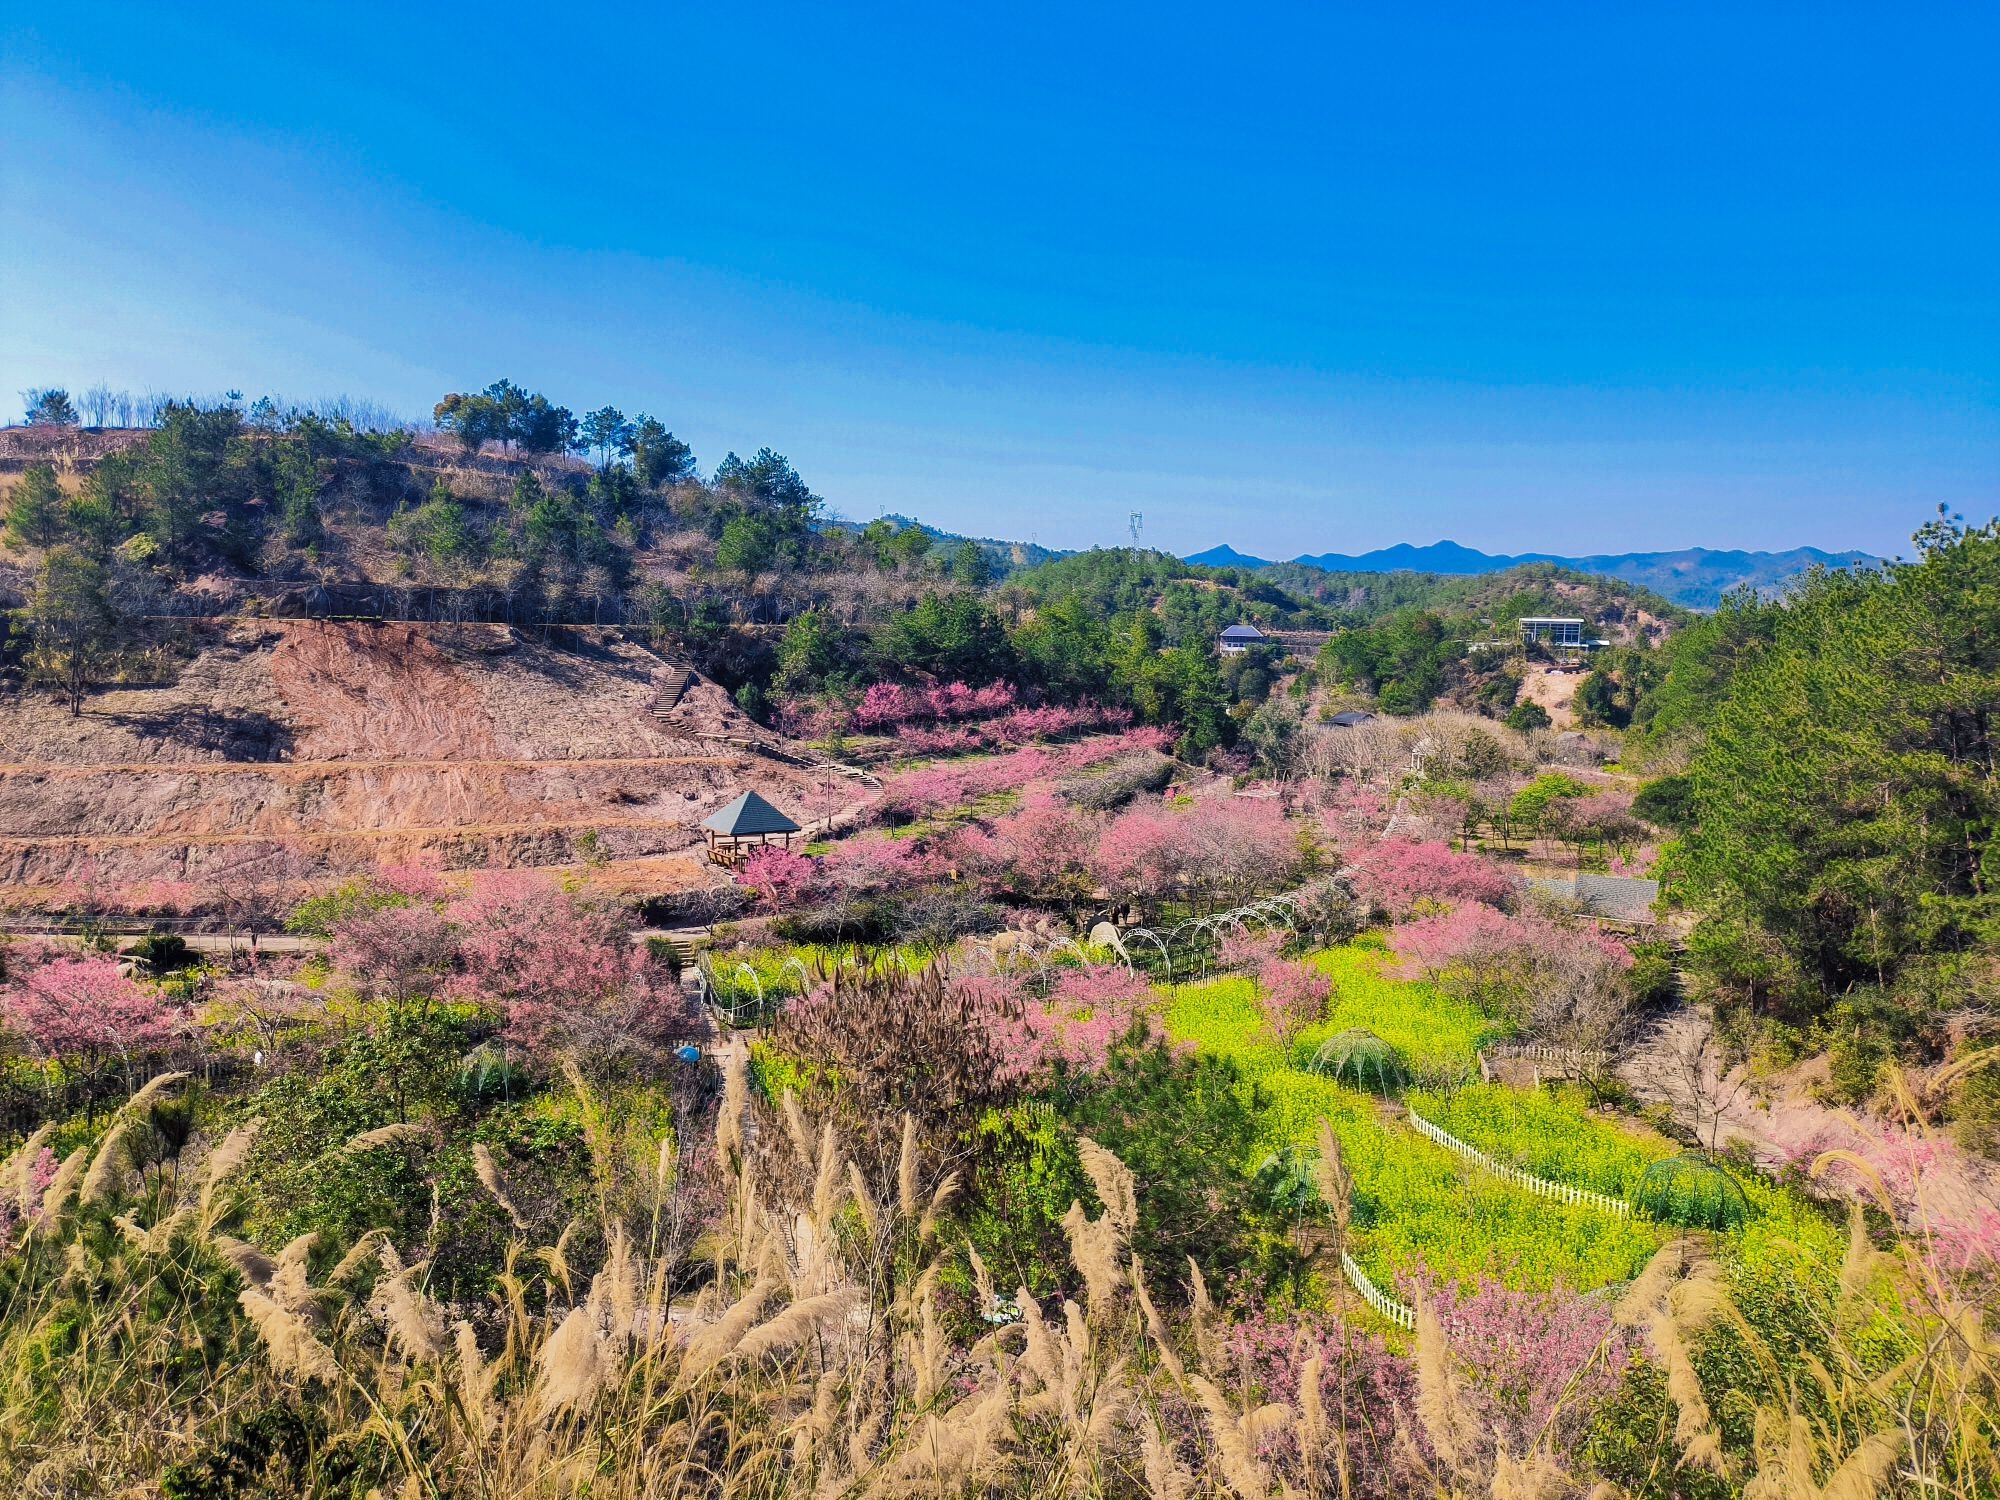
point(747, 823)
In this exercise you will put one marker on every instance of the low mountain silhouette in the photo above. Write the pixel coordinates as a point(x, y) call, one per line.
point(1696, 577)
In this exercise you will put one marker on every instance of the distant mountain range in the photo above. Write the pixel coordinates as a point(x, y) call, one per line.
point(1696, 578)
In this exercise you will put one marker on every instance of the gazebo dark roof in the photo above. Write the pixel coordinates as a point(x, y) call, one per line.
point(748, 816)
point(1348, 718)
point(1243, 633)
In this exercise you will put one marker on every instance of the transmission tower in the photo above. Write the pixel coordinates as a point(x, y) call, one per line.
point(1137, 523)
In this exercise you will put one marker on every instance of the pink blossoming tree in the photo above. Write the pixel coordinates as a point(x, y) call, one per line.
point(1291, 996)
point(1399, 874)
point(1085, 1014)
point(1564, 982)
point(1531, 1358)
point(86, 1012)
point(779, 879)
point(1216, 852)
point(400, 952)
point(562, 970)
point(1040, 851)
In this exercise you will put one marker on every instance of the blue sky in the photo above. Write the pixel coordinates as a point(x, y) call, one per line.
point(1301, 279)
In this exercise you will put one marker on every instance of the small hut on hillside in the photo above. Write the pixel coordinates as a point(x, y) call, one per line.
point(1238, 639)
point(746, 824)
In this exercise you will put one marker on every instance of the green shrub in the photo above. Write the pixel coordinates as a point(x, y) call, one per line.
point(317, 916)
point(162, 951)
point(1975, 1110)
point(1188, 1129)
point(1653, 977)
point(664, 952)
point(1025, 1174)
point(1666, 803)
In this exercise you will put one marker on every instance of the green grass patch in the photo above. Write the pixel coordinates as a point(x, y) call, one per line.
point(987, 805)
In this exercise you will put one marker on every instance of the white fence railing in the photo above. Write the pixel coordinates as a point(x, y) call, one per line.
point(1574, 1057)
point(1375, 1297)
point(1562, 1191)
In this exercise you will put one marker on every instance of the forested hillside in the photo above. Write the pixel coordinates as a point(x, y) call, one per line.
point(517, 511)
point(1694, 578)
point(534, 969)
point(1840, 806)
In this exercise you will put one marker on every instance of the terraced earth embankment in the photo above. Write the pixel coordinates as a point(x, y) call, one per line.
point(325, 747)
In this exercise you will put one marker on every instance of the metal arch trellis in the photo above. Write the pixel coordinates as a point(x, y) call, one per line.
point(1045, 954)
point(1200, 933)
point(1197, 946)
point(1194, 937)
point(711, 989)
point(1166, 956)
point(721, 996)
point(1284, 908)
point(755, 983)
point(1056, 946)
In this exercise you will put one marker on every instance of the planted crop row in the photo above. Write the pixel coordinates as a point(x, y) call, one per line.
point(1432, 1031)
point(1546, 1133)
point(1415, 1208)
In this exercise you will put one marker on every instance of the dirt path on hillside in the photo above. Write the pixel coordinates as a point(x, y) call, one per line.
point(353, 742)
point(319, 769)
point(309, 836)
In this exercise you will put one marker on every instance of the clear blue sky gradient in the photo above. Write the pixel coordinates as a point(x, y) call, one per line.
point(1296, 278)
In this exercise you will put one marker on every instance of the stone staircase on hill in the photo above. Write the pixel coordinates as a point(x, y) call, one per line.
point(683, 940)
point(788, 757)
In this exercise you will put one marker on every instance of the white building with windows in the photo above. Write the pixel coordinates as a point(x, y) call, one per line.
point(1240, 638)
point(1552, 630)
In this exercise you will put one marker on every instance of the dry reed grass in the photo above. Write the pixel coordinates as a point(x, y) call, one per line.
point(802, 1349)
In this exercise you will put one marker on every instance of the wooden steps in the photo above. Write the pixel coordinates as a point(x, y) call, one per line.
point(672, 687)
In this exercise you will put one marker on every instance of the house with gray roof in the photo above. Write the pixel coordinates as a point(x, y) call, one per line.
point(1240, 638)
point(1610, 898)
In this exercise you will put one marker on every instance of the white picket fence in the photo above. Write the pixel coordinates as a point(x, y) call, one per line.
point(1375, 1297)
point(1573, 1057)
point(1526, 1180)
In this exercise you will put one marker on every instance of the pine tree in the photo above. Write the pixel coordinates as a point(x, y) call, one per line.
point(35, 518)
point(1845, 798)
point(73, 624)
point(50, 408)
